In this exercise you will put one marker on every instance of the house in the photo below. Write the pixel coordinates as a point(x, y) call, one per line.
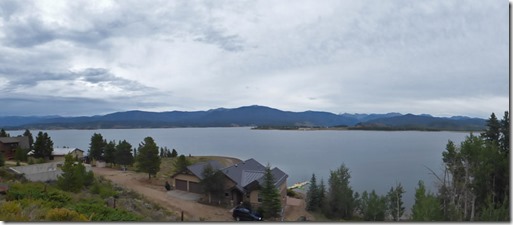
point(243, 181)
point(59, 153)
point(8, 145)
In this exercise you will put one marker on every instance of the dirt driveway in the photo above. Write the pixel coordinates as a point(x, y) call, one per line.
point(193, 211)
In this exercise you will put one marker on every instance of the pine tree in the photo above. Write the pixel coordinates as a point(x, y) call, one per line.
point(181, 163)
point(110, 152)
point(74, 176)
point(48, 146)
point(31, 139)
point(174, 153)
point(312, 196)
point(123, 154)
point(271, 204)
point(148, 159)
point(43, 146)
point(212, 182)
point(4, 134)
point(97, 146)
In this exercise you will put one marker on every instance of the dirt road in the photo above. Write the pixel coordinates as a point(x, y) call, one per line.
point(193, 211)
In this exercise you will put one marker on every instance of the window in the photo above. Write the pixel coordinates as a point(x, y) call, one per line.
point(226, 194)
point(259, 197)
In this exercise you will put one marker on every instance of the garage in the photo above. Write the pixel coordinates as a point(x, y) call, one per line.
point(195, 187)
point(181, 185)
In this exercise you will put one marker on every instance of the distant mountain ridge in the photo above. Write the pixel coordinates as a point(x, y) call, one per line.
point(244, 116)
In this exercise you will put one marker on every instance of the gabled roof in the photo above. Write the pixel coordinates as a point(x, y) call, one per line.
point(197, 169)
point(23, 141)
point(247, 172)
point(245, 175)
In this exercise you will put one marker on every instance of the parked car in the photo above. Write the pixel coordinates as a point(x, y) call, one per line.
point(241, 213)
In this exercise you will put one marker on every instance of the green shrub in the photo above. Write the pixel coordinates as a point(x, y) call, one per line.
point(291, 193)
point(52, 196)
point(100, 212)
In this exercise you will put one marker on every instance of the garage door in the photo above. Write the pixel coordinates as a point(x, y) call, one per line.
point(195, 187)
point(181, 185)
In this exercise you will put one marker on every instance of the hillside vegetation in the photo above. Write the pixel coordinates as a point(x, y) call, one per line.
point(101, 201)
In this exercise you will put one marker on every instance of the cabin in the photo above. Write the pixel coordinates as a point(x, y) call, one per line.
point(243, 181)
point(8, 145)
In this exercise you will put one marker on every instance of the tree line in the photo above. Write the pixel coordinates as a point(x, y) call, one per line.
point(474, 186)
point(146, 157)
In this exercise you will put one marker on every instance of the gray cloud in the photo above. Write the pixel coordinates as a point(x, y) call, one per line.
point(333, 55)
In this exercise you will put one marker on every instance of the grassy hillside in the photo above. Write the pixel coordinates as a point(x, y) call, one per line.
point(102, 201)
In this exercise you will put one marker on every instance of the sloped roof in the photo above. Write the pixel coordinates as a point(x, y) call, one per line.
point(249, 171)
point(59, 151)
point(22, 141)
point(197, 169)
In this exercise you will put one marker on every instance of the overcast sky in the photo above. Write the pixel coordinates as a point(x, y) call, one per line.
point(95, 57)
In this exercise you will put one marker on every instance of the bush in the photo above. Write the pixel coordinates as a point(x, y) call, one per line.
point(62, 214)
point(100, 212)
point(52, 197)
point(11, 211)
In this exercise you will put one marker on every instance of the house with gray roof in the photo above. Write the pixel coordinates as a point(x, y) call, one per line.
point(243, 181)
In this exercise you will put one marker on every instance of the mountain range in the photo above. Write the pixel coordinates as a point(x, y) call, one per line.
point(245, 116)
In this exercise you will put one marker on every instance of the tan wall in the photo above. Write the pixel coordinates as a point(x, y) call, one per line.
point(283, 193)
point(253, 197)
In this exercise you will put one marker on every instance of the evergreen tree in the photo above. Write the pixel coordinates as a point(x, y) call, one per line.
point(212, 182)
point(271, 204)
point(4, 134)
point(340, 195)
point(97, 146)
point(74, 176)
point(20, 154)
point(43, 146)
point(110, 152)
point(48, 150)
point(31, 139)
point(395, 201)
point(181, 163)
point(322, 195)
point(174, 153)
point(148, 159)
point(123, 154)
point(426, 207)
point(493, 131)
point(312, 196)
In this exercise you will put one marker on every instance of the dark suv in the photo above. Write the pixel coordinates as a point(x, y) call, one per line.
point(241, 213)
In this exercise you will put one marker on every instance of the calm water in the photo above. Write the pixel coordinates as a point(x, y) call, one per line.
point(376, 159)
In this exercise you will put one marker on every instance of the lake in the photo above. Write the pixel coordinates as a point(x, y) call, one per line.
point(376, 159)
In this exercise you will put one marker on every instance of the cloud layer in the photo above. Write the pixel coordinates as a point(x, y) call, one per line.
point(82, 58)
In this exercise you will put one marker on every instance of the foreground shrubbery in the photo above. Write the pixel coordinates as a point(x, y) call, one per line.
point(36, 201)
